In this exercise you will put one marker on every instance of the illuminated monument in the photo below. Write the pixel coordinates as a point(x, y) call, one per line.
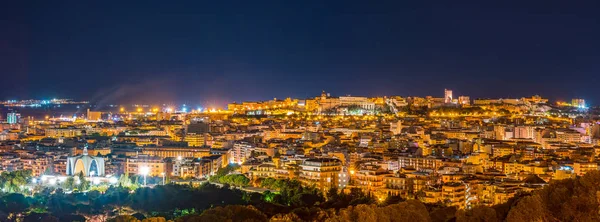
point(89, 165)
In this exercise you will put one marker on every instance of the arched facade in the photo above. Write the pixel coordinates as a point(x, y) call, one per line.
point(85, 164)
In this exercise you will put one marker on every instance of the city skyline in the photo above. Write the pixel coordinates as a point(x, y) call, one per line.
point(220, 52)
point(447, 97)
point(310, 110)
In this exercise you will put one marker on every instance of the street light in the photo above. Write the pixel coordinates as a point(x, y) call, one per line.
point(144, 170)
point(163, 175)
point(113, 180)
point(96, 181)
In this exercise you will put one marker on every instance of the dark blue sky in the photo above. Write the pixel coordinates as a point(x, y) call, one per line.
point(220, 51)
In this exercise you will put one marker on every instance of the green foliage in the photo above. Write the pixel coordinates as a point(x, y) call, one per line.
point(14, 182)
point(411, 210)
point(83, 184)
point(268, 196)
point(292, 192)
point(14, 203)
point(238, 180)
point(228, 213)
point(171, 197)
point(528, 209)
point(294, 202)
point(564, 200)
point(125, 181)
point(477, 214)
point(223, 172)
point(69, 183)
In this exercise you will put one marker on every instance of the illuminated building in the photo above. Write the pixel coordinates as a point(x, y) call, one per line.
point(94, 152)
point(279, 134)
point(269, 170)
point(419, 163)
point(11, 163)
point(568, 136)
point(502, 150)
point(63, 132)
point(581, 168)
point(579, 103)
point(447, 96)
point(535, 99)
point(196, 140)
point(263, 105)
point(524, 132)
point(85, 163)
point(451, 193)
point(156, 165)
point(184, 167)
point(93, 116)
point(13, 118)
point(174, 152)
point(37, 165)
point(498, 101)
point(311, 105)
point(240, 152)
point(160, 116)
point(208, 166)
point(564, 173)
point(370, 180)
point(5, 135)
point(464, 100)
point(396, 127)
point(321, 172)
point(326, 102)
point(396, 185)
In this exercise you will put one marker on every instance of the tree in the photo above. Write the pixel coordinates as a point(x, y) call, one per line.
point(235, 180)
point(529, 208)
point(442, 214)
point(124, 218)
point(221, 172)
point(84, 184)
point(14, 203)
point(154, 219)
point(233, 213)
point(125, 181)
point(393, 200)
point(49, 218)
point(15, 180)
point(332, 194)
point(69, 183)
point(411, 210)
point(477, 214)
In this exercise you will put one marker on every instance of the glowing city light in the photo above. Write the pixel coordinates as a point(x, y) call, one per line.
point(144, 170)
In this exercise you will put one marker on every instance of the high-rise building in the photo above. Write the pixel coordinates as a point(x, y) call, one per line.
point(13, 118)
point(464, 100)
point(321, 172)
point(579, 103)
point(447, 96)
point(93, 116)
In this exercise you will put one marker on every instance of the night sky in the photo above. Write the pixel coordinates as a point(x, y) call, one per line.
point(213, 52)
